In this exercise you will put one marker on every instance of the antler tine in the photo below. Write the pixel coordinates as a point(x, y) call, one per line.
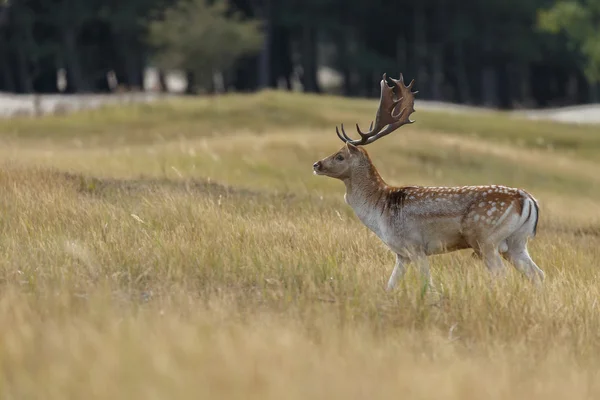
point(391, 113)
point(344, 137)
point(383, 115)
point(405, 105)
point(389, 129)
point(338, 134)
point(406, 97)
point(382, 118)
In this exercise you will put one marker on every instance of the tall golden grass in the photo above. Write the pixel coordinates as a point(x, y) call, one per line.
point(185, 250)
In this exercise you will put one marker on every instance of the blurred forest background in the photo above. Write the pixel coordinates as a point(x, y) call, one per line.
point(497, 53)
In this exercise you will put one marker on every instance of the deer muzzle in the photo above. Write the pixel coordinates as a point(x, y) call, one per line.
point(317, 167)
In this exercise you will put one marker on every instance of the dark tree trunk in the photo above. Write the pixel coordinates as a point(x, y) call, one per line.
point(525, 86)
point(76, 81)
point(367, 84)
point(437, 85)
point(134, 71)
point(246, 74)
point(594, 93)
point(489, 87)
point(162, 80)
point(504, 87)
point(24, 73)
point(121, 72)
point(462, 76)
point(100, 84)
point(309, 60)
point(572, 89)
point(264, 68)
point(541, 78)
point(348, 88)
point(209, 84)
point(124, 64)
point(401, 52)
point(420, 44)
point(191, 83)
point(343, 38)
point(281, 57)
point(437, 50)
point(45, 80)
point(582, 89)
point(274, 59)
point(489, 77)
point(6, 75)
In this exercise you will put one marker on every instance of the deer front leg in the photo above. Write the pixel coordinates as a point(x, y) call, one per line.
point(398, 272)
point(422, 264)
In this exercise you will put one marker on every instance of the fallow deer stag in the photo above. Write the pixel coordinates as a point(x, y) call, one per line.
point(414, 221)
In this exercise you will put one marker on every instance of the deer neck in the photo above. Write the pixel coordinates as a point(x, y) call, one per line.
point(366, 193)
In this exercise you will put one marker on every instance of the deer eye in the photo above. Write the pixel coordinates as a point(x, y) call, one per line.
point(339, 157)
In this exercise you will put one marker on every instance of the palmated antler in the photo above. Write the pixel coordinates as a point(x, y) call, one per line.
point(391, 112)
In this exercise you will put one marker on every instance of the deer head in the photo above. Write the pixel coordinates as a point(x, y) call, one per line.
point(395, 106)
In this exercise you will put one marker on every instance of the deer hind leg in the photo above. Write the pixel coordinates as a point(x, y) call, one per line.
point(518, 256)
point(502, 249)
point(491, 257)
point(489, 252)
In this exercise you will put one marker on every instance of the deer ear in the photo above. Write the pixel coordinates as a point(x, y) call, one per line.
point(352, 149)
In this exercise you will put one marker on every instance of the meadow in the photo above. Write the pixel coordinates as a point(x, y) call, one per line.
point(184, 249)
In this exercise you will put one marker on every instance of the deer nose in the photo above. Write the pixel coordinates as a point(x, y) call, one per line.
point(317, 165)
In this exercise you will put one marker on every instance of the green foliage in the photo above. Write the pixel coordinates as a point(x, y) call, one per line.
point(447, 45)
point(578, 20)
point(201, 37)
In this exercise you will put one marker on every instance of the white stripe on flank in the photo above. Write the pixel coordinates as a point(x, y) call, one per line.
point(526, 210)
point(506, 214)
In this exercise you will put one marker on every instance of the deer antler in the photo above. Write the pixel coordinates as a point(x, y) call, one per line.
point(391, 112)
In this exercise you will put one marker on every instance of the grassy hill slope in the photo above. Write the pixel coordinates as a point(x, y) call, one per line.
point(184, 249)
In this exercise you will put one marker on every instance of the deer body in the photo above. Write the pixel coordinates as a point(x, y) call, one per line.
point(415, 222)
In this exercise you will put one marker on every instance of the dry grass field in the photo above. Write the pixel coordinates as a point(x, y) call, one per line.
point(184, 249)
